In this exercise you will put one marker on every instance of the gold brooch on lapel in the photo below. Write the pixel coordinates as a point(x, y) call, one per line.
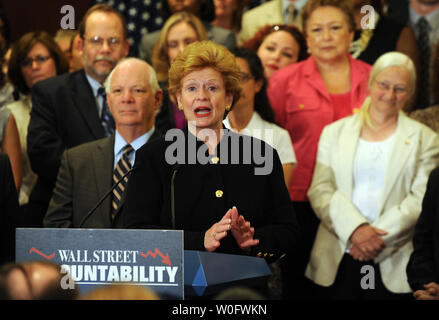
point(219, 193)
point(214, 160)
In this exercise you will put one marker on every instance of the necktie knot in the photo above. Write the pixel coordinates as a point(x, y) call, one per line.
point(423, 24)
point(101, 91)
point(127, 149)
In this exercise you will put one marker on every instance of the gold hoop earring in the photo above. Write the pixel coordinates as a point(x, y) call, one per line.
point(228, 108)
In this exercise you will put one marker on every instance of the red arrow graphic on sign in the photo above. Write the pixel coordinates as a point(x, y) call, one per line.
point(165, 259)
point(42, 254)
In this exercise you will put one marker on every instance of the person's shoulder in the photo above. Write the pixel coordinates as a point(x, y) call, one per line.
point(53, 83)
point(337, 127)
point(361, 66)
point(292, 72)
point(87, 147)
point(263, 8)
point(153, 146)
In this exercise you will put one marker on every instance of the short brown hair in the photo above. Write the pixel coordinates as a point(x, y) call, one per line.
point(20, 51)
point(206, 54)
point(104, 8)
point(159, 56)
point(344, 5)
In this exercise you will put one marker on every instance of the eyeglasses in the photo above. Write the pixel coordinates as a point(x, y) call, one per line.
point(98, 42)
point(396, 89)
point(39, 60)
point(245, 77)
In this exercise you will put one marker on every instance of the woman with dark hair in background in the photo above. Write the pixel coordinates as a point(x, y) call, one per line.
point(278, 46)
point(35, 57)
point(228, 14)
point(252, 113)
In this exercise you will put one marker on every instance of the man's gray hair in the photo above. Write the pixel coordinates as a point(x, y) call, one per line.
point(153, 83)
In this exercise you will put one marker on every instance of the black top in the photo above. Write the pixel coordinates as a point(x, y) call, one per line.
point(384, 39)
point(423, 266)
point(8, 211)
point(261, 199)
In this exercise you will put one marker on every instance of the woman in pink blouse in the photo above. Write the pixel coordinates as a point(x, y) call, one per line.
point(307, 96)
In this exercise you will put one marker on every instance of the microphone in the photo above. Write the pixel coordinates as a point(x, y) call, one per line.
point(174, 173)
point(105, 196)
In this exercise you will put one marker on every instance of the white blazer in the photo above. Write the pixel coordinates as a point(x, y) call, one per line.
point(415, 153)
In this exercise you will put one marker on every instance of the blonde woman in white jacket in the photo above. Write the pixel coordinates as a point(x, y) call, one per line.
point(367, 189)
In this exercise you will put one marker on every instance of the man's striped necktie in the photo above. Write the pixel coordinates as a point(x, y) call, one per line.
point(122, 167)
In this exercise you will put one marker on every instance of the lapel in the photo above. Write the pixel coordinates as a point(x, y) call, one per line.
point(103, 158)
point(348, 146)
point(403, 146)
point(85, 102)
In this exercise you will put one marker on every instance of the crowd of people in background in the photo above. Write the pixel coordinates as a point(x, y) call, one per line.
point(345, 100)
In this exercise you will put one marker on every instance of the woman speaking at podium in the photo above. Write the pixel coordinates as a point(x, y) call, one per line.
point(225, 190)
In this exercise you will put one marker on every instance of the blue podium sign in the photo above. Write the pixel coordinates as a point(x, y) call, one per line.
point(95, 257)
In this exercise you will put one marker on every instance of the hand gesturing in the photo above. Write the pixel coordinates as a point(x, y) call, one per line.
point(242, 231)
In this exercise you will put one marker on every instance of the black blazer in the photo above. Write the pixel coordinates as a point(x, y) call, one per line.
point(64, 114)
point(261, 199)
point(399, 11)
point(8, 211)
point(423, 266)
point(85, 176)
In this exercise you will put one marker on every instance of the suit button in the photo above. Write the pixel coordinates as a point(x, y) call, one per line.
point(219, 193)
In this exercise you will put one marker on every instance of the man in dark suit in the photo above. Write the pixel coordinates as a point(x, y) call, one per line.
point(423, 266)
point(423, 17)
point(8, 210)
point(69, 110)
point(88, 171)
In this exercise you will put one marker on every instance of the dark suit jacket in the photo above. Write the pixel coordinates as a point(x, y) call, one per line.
point(84, 177)
point(399, 11)
point(8, 211)
point(64, 114)
point(423, 266)
point(261, 199)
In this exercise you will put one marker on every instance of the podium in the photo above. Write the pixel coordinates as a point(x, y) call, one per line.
point(151, 258)
point(207, 273)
